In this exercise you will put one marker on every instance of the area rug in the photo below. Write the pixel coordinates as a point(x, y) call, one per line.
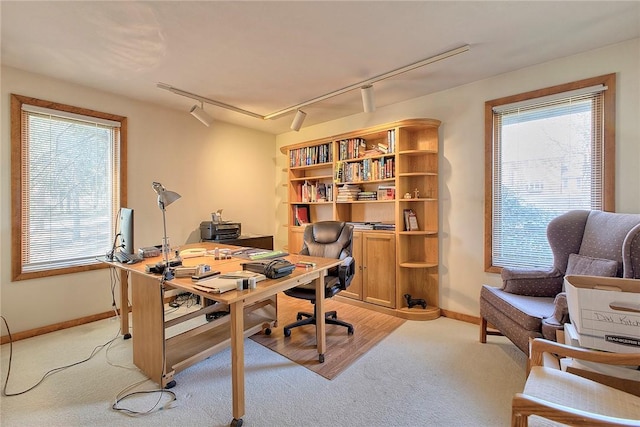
point(342, 351)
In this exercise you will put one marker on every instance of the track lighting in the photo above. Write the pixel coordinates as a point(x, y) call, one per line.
point(368, 103)
point(298, 119)
point(200, 114)
point(365, 86)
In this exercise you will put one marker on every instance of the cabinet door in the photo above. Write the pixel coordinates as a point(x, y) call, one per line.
point(355, 289)
point(296, 235)
point(379, 260)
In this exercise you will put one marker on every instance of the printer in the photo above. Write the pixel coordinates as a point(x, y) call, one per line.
point(210, 230)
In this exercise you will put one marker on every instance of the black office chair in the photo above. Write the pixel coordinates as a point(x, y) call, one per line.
point(328, 239)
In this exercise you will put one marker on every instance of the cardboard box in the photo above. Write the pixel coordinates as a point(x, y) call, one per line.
point(605, 312)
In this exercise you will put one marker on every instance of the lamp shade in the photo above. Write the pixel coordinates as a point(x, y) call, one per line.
point(165, 197)
point(298, 119)
point(368, 103)
point(201, 115)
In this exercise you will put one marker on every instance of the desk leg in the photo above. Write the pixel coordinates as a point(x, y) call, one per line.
point(124, 304)
point(320, 320)
point(237, 361)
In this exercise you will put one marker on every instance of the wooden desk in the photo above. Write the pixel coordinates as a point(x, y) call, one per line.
point(251, 310)
point(262, 242)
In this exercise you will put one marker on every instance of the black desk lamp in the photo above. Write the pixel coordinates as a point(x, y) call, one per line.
point(165, 198)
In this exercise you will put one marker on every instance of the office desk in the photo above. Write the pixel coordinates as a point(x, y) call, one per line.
point(252, 310)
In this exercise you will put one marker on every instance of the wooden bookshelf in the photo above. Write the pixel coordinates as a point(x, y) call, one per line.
point(391, 263)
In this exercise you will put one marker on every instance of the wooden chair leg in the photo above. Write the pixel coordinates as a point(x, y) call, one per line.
point(483, 330)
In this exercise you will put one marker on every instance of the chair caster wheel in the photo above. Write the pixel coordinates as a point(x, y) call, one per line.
point(350, 331)
point(267, 331)
point(126, 336)
point(321, 358)
point(287, 332)
point(236, 422)
point(299, 317)
point(170, 384)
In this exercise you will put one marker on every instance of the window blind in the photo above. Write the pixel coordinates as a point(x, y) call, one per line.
point(70, 191)
point(547, 159)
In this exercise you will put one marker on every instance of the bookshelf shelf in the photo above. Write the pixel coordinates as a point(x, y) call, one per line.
point(395, 158)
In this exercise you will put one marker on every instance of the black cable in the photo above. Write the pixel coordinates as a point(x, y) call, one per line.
point(48, 373)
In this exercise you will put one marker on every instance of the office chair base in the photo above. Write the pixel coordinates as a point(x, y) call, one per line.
point(331, 318)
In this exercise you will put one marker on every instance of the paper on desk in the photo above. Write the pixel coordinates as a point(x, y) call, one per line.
point(217, 285)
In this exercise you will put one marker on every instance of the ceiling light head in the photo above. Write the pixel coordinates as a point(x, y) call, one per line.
point(368, 103)
point(298, 119)
point(200, 114)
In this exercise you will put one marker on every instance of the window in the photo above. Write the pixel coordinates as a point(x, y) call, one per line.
point(547, 152)
point(67, 179)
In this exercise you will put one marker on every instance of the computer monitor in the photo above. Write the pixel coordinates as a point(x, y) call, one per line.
point(126, 230)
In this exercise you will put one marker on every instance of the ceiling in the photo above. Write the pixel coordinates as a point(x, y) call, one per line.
point(266, 56)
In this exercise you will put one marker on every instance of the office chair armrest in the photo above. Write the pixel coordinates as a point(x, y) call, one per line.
point(346, 271)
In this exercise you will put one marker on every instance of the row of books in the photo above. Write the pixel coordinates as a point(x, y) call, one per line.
point(310, 192)
point(366, 170)
point(391, 140)
point(307, 156)
point(351, 148)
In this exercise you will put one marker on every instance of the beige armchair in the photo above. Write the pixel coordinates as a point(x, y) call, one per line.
point(553, 397)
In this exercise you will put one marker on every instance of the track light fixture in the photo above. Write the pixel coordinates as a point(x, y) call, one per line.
point(200, 114)
point(296, 124)
point(366, 90)
point(368, 103)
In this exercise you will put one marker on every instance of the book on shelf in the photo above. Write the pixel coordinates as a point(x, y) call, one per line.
point(386, 192)
point(361, 225)
point(321, 192)
point(386, 226)
point(348, 193)
point(301, 214)
point(410, 220)
point(367, 195)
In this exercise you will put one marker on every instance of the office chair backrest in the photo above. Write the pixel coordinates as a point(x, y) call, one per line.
point(328, 239)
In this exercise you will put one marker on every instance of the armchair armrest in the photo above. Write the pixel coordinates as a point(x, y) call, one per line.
point(523, 405)
point(560, 314)
point(534, 283)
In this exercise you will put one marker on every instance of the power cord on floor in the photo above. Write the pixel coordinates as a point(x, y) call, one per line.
point(48, 373)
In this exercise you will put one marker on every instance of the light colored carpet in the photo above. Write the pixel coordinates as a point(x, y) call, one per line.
point(432, 373)
point(342, 349)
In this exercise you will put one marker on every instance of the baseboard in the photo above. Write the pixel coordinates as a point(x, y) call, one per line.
point(459, 316)
point(56, 327)
point(88, 319)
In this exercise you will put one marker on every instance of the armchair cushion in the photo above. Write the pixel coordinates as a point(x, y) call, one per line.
point(589, 266)
point(533, 283)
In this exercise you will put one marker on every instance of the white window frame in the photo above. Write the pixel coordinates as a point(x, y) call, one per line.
point(21, 106)
point(604, 200)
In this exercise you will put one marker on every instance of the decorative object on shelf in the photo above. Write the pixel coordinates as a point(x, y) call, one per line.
point(407, 195)
point(165, 198)
point(416, 194)
point(410, 220)
point(412, 302)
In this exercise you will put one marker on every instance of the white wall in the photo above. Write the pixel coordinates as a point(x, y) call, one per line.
point(461, 111)
point(212, 168)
